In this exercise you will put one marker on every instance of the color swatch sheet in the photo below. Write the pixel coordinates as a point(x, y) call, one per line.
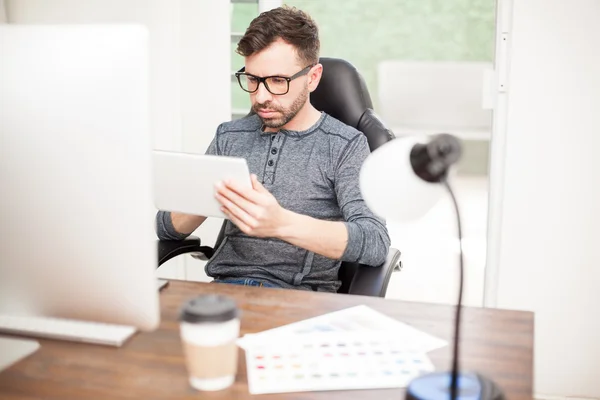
point(355, 348)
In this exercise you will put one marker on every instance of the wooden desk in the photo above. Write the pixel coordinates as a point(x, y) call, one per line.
point(497, 343)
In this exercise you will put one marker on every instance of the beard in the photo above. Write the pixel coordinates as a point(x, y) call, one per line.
point(285, 115)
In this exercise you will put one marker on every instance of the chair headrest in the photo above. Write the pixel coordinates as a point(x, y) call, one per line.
point(342, 92)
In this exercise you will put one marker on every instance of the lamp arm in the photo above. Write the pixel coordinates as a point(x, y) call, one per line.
point(455, 356)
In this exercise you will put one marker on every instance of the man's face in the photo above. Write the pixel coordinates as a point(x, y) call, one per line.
point(279, 59)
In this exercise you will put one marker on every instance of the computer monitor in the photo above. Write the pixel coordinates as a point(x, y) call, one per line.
point(77, 235)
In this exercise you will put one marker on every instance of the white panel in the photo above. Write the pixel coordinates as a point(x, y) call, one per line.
point(497, 151)
point(206, 95)
point(446, 94)
point(205, 69)
point(2, 12)
point(266, 5)
point(550, 220)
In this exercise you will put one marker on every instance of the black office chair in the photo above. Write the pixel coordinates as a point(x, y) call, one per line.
point(342, 93)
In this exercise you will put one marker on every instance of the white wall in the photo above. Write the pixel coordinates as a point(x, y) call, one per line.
point(159, 16)
point(549, 229)
point(206, 91)
point(2, 12)
point(189, 66)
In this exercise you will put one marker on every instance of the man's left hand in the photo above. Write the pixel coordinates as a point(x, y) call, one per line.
point(254, 210)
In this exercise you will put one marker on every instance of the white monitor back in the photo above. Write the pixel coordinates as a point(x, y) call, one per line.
point(76, 208)
point(434, 97)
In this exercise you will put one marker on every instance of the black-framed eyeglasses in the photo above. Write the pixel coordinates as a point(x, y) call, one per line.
point(276, 85)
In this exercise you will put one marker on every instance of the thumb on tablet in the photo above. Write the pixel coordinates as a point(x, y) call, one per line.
point(256, 184)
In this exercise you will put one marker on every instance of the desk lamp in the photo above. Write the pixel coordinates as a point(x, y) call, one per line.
point(400, 181)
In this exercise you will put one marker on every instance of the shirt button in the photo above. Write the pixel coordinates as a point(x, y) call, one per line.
point(273, 150)
point(272, 137)
point(270, 163)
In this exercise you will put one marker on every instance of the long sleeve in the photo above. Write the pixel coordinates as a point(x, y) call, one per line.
point(165, 229)
point(368, 238)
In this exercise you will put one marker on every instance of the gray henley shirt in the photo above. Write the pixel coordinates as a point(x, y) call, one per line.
point(313, 172)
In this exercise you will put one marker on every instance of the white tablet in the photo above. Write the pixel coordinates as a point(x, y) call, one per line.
point(185, 182)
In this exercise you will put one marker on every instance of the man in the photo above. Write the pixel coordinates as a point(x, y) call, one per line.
point(304, 213)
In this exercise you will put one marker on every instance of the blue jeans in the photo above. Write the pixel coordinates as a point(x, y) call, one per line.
point(245, 282)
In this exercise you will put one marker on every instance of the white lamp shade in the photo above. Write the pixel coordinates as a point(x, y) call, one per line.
point(391, 188)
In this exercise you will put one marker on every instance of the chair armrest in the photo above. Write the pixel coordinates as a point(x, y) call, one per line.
point(373, 281)
point(168, 249)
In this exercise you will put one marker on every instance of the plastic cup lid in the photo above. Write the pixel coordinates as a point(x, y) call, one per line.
point(209, 308)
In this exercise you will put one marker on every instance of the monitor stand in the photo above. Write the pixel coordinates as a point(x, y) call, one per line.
point(161, 283)
point(13, 350)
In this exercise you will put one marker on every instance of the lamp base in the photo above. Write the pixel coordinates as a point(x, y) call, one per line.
point(437, 386)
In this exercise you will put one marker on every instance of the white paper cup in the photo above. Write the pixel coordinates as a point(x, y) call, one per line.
point(209, 328)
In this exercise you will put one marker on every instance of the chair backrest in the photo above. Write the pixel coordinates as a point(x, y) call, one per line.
point(343, 94)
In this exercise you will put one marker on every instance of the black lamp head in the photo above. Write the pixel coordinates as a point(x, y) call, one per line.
point(432, 160)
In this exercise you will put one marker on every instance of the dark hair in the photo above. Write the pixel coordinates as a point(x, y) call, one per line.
point(288, 23)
